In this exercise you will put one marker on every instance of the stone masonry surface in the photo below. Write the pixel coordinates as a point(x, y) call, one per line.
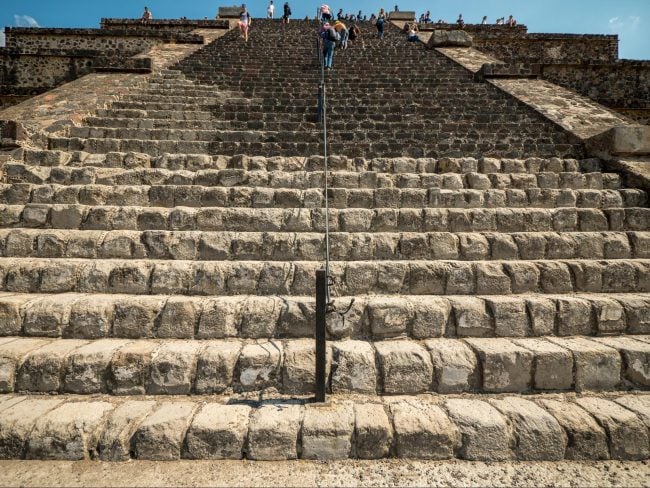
point(160, 233)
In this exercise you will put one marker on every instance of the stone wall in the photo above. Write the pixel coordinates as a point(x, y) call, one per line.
point(38, 59)
point(551, 48)
point(625, 84)
point(169, 25)
point(132, 41)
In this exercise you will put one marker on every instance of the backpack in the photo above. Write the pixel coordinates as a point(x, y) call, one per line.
point(332, 35)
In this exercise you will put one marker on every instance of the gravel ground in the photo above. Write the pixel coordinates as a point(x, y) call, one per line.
point(343, 473)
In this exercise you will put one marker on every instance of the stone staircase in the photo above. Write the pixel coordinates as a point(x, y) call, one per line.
point(157, 270)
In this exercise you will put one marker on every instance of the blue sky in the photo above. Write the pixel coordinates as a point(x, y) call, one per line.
point(628, 18)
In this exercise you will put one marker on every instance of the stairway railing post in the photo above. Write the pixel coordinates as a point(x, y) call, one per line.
point(321, 312)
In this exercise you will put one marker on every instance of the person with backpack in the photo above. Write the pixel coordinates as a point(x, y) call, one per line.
point(286, 13)
point(330, 38)
point(381, 19)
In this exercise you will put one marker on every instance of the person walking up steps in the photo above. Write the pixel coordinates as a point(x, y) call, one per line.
point(330, 38)
point(381, 19)
point(270, 10)
point(244, 22)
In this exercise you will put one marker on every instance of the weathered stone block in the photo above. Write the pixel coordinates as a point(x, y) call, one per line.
point(327, 431)
point(12, 354)
point(405, 366)
point(354, 367)
point(88, 366)
point(373, 432)
point(506, 366)
point(628, 436)
point(218, 432)
point(552, 364)
point(538, 436)
point(216, 366)
point(43, 369)
point(423, 431)
point(259, 366)
point(298, 370)
point(273, 432)
point(130, 368)
point(115, 442)
point(70, 432)
point(484, 432)
point(455, 366)
point(587, 439)
point(17, 422)
point(160, 436)
point(597, 367)
point(173, 368)
point(450, 38)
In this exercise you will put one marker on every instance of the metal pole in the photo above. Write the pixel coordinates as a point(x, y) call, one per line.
point(321, 312)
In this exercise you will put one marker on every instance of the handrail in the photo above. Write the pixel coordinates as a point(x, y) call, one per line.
point(322, 109)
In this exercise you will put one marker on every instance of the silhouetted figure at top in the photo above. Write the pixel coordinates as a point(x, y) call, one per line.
point(511, 21)
point(484, 21)
point(460, 20)
point(286, 13)
point(147, 16)
point(396, 8)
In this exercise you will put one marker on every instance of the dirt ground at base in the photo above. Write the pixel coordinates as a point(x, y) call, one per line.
point(339, 473)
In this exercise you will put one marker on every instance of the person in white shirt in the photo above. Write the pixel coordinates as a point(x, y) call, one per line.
point(270, 10)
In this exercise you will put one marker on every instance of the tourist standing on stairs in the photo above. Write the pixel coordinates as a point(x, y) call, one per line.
point(244, 22)
point(330, 37)
point(381, 19)
point(286, 14)
point(270, 10)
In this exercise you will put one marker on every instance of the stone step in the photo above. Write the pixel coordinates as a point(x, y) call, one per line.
point(196, 162)
point(341, 198)
point(20, 174)
point(310, 246)
point(96, 316)
point(210, 125)
point(519, 145)
point(441, 277)
point(250, 136)
point(61, 216)
point(404, 367)
point(473, 427)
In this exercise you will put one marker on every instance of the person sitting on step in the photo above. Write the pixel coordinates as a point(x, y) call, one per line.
point(412, 33)
point(147, 16)
point(244, 22)
point(460, 21)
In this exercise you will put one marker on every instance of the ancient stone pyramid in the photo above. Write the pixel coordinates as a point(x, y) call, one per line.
point(491, 276)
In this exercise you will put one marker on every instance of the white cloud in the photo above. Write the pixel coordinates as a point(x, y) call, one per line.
point(618, 24)
point(25, 21)
point(2, 37)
